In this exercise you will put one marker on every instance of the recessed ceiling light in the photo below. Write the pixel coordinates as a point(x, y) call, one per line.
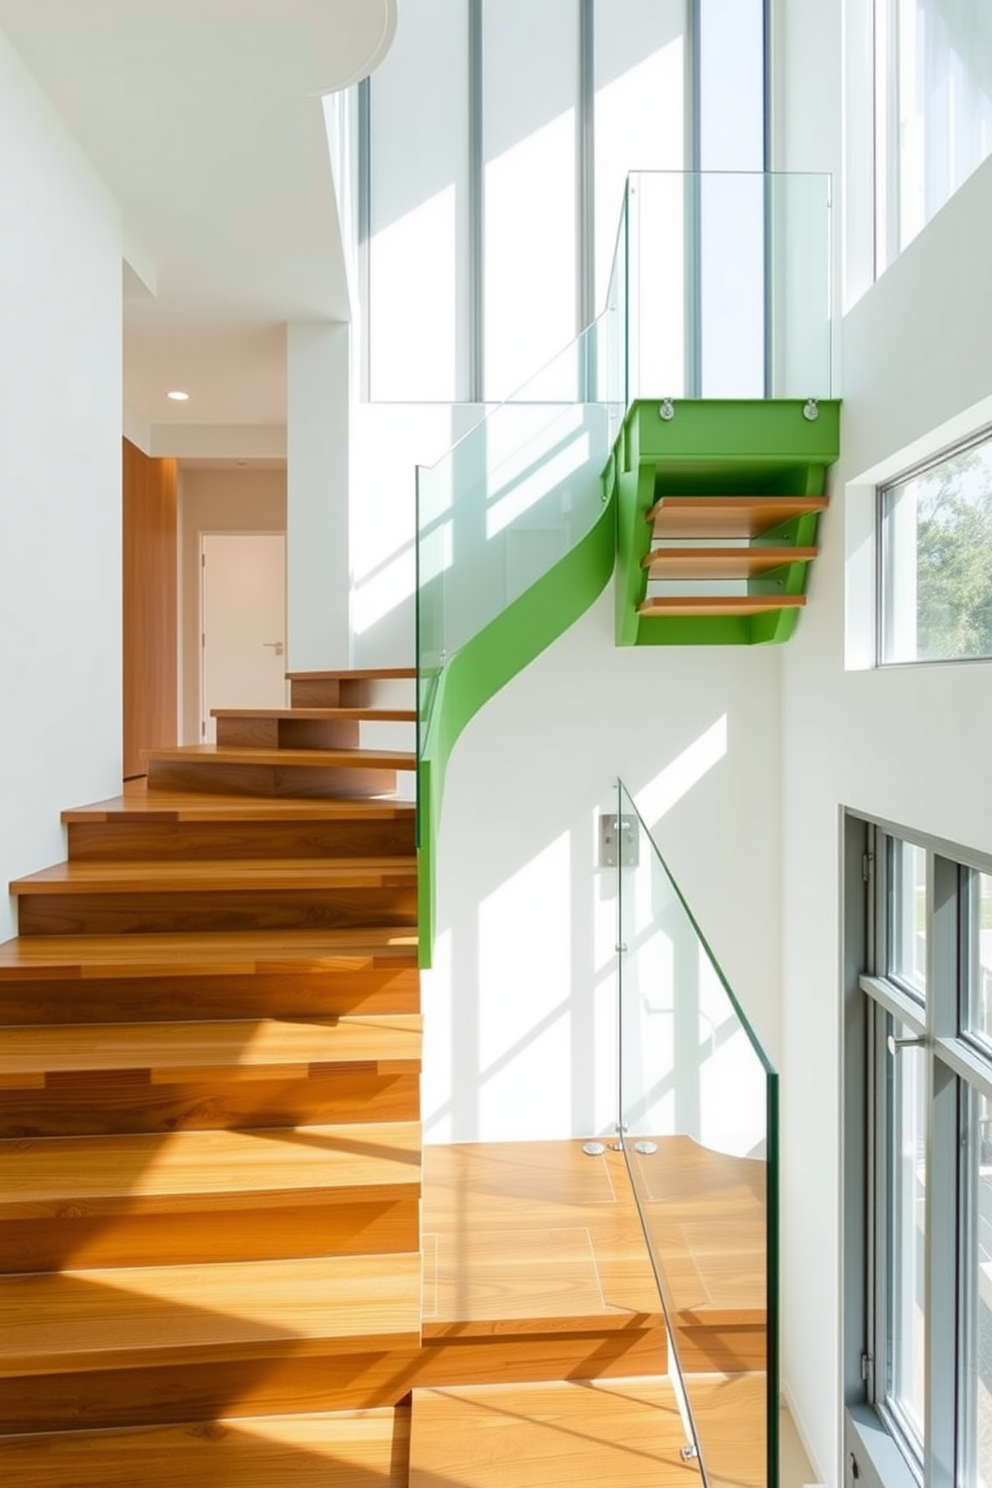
point(178, 396)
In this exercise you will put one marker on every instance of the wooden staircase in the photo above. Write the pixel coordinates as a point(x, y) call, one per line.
point(212, 1267)
point(209, 1111)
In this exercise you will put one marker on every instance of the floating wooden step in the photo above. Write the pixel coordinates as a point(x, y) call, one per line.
point(189, 1197)
point(722, 604)
point(727, 516)
point(66, 1080)
point(100, 1344)
point(164, 1053)
point(192, 824)
point(108, 898)
point(137, 803)
point(159, 978)
point(277, 772)
point(598, 1434)
point(721, 563)
point(353, 689)
point(319, 1450)
point(301, 728)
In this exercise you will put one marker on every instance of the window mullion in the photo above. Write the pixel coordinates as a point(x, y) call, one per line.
point(943, 1168)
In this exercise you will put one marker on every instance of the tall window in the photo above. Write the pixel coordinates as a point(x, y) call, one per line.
point(933, 124)
point(936, 559)
point(926, 1078)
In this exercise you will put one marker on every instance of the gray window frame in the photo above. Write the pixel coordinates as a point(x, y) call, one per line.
point(932, 462)
point(877, 1450)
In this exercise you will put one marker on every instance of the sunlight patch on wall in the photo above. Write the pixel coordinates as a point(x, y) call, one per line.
point(677, 779)
point(524, 980)
point(517, 498)
point(380, 593)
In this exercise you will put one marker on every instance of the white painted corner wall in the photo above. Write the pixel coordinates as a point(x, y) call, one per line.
point(909, 744)
point(60, 480)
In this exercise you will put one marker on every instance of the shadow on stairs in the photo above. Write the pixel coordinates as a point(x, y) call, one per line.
point(211, 1267)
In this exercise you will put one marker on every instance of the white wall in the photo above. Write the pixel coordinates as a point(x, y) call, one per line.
point(910, 744)
point(519, 1006)
point(317, 384)
point(60, 480)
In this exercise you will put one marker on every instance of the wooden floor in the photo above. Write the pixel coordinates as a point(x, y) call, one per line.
point(529, 1232)
point(534, 1267)
point(539, 1238)
point(598, 1435)
point(705, 1217)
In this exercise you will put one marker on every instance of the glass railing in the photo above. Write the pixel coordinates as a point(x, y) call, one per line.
point(511, 498)
point(698, 1115)
point(724, 279)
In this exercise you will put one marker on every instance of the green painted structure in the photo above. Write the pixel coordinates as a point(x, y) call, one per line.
point(730, 448)
point(734, 447)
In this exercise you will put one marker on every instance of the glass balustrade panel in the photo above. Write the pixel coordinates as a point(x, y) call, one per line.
point(512, 498)
point(728, 284)
point(697, 1102)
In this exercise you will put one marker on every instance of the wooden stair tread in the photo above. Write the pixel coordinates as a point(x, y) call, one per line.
point(220, 875)
point(137, 803)
point(722, 563)
point(165, 1053)
point(314, 1450)
point(228, 953)
point(601, 1434)
point(722, 604)
point(369, 674)
point(145, 1316)
point(320, 715)
point(727, 516)
point(325, 759)
point(104, 1175)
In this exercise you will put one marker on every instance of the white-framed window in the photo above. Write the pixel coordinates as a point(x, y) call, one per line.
point(933, 111)
point(935, 559)
point(919, 1068)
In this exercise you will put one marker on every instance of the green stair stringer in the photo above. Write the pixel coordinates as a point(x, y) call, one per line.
point(478, 670)
point(716, 447)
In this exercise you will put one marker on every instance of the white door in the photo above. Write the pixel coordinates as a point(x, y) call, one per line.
point(243, 623)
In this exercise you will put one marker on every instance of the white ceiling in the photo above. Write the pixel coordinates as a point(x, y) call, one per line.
point(204, 118)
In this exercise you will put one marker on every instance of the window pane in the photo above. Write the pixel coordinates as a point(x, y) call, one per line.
point(906, 1230)
point(907, 927)
point(934, 109)
point(978, 964)
point(937, 560)
point(976, 1415)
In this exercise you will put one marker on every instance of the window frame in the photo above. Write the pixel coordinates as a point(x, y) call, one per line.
point(933, 461)
point(958, 1071)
